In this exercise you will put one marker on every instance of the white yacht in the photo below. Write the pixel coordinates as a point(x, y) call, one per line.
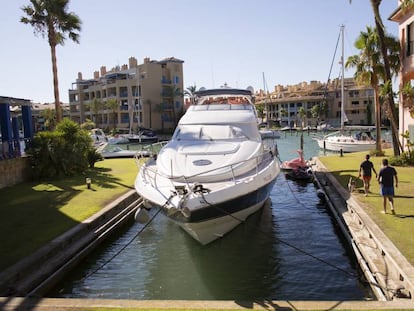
point(216, 170)
point(347, 143)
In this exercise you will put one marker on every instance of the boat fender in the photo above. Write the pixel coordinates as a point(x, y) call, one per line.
point(321, 195)
point(141, 216)
point(147, 204)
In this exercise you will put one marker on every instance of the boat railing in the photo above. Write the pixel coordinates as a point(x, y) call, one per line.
point(149, 150)
point(257, 163)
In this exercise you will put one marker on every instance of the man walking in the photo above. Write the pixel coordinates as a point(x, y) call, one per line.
point(386, 178)
point(366, 169)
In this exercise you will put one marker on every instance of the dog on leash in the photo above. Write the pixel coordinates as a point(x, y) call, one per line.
point(351, 184)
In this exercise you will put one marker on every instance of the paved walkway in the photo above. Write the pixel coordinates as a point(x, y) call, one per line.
point(85, 304)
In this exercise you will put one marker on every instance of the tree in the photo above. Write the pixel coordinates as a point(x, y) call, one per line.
point(50, 18)
point(316, 113)
point(260, 111)
point(369, 112)
point(112, 104)
point(159, 108)
point(302, 116)
point(190, 92)
point(392, 114)
point(95, 106)
point(172, 92)
point(369, 70)
point(407, 92)
point(50, 118)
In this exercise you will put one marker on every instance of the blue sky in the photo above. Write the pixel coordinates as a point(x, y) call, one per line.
point(220, 41)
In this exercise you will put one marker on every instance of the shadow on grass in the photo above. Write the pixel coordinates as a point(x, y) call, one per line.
point(103, 179)
point(404, 216)
point(30, 212)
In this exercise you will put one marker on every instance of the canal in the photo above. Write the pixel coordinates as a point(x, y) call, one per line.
point(290, 250)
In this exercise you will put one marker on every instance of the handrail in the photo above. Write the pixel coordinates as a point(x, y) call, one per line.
point(261, 160)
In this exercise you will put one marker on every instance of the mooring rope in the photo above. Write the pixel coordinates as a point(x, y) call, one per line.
point(350, 274)
point(128, 243)
point(280, 240)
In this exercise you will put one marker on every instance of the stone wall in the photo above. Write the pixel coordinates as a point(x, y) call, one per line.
point(14, 171)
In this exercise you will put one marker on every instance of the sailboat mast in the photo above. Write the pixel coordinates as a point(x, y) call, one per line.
point(266, 108)
point(342, 81)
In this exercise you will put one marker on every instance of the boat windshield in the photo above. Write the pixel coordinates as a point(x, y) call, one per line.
point(222, 107)
point(210, 132)
point(224, 100)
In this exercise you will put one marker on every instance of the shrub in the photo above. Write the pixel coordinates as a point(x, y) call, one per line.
point(63, 152)
point(396, 161)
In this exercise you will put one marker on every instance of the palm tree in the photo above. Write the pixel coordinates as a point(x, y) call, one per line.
point(392, 114)
point(112, 104)
point(316, 112)
point(95, 106)
point(50, 17)
point(159, 108)
point(49, 117)
point(260, 111)
point(369, 70)
point(171, 92)
point(190, 92)
point(302, 116)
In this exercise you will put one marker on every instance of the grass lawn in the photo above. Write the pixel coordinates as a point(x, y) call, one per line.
point(399, 228)
point(34, 213)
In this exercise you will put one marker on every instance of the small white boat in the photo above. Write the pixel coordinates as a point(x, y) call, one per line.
point(98, 136)
point(118, 139)
point(114, 151)
point(215, 171)
point(143, 136)
point(346, 143)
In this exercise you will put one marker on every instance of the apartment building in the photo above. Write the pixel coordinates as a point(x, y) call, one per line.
point(284, 104)
point(130, 96)
point(404, 16)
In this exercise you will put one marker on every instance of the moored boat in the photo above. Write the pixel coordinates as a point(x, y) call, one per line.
point(142, 136)
point(295, 163)
point(346, 143)
point(339, 141)
point(215, 171)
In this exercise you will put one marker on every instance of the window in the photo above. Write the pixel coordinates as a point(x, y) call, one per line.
point(124, 118)
point(410, 39)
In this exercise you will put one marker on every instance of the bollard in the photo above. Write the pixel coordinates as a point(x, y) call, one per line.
point(341, 153)
point(88, 182)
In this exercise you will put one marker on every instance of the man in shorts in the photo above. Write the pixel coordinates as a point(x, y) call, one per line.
point(365, 169)
point(386, 177)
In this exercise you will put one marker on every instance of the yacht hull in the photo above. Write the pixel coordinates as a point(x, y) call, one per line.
point(215, 208)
